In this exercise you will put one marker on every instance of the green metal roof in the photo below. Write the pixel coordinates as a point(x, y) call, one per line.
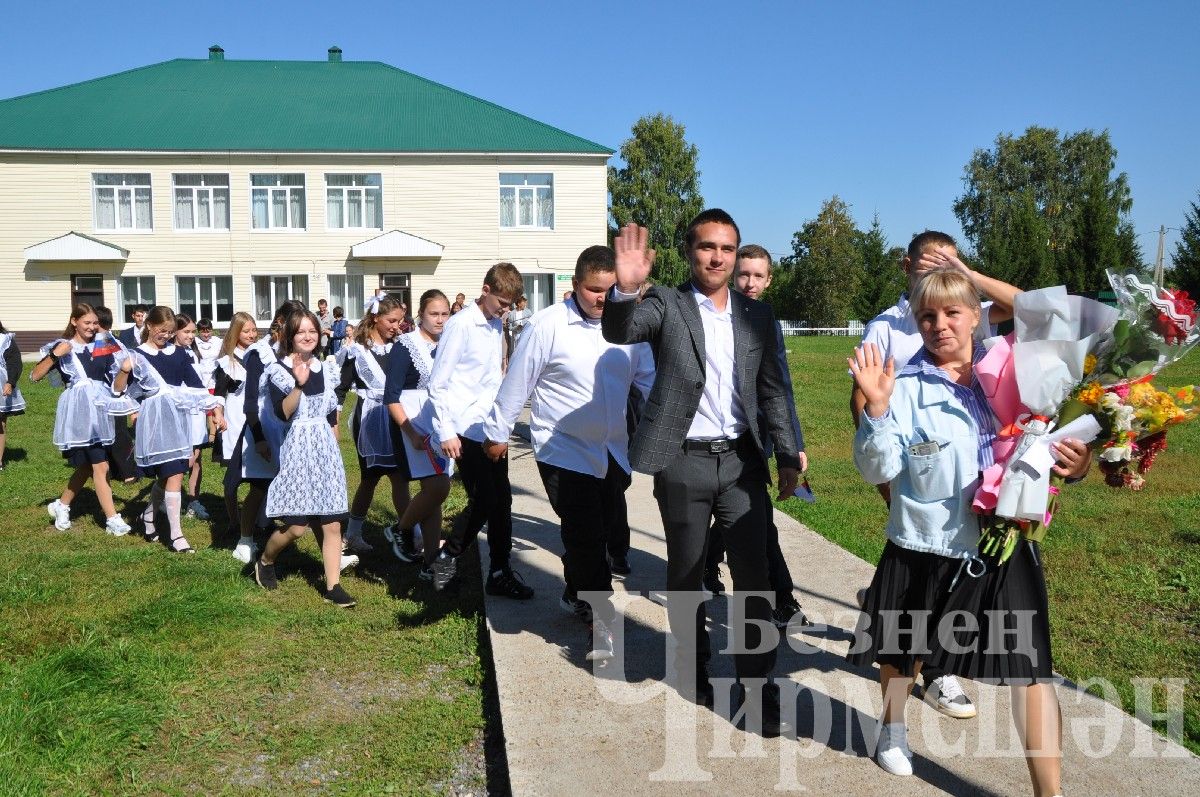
point(276, 106)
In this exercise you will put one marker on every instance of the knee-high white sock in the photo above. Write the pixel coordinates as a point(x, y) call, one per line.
point(173, 501)
point(156, 499)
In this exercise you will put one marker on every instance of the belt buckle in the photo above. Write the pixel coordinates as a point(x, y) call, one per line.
point(718, 446)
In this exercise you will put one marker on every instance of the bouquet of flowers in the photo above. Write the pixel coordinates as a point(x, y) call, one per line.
point(1076, 368)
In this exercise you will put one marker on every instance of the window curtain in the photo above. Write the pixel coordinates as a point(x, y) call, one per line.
point(259, 209)
point(183, 208)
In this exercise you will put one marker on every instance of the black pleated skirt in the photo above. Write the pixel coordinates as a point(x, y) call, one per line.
point(981, 620)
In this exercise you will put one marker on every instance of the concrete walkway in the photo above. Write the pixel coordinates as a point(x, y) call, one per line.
point(621, 731)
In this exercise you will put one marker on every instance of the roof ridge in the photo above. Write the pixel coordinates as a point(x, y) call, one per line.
point(494, 105)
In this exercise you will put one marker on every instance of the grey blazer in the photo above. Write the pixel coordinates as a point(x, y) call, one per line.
point(669, 319)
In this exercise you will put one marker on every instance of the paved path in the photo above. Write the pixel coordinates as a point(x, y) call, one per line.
point(621, 731)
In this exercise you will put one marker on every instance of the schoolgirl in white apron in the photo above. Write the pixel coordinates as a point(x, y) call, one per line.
point(11, 400)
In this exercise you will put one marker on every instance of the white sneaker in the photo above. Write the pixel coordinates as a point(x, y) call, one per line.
point(348, 560)
point(602, 642)
point(891, 752)
point(61, 513)
point(196, 509)
point(244, 550)
point(947, 696)
point(117, 526)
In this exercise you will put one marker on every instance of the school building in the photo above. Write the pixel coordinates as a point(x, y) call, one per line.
point(214, 185)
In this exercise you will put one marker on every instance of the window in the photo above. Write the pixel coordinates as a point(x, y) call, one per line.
point(270, 292)
point(346, 291)
point(206, 297)
point(277, 201)
point(122, 201)
point(353, 201)
point(135, 291)
point(527, 201)
point(87, 289)
point(202, 201)
point(539, 290)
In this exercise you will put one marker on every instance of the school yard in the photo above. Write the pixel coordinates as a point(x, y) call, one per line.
point(125, 669)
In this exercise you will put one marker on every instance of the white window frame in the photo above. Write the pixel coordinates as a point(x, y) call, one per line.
point(274, 300)
point(286, 191)
point(343, 299)
point(535, 297)
point(125, 187)
point(124, 299)
point(197, 190)
point(212, 295)
point(523, 186)
point(361, 190)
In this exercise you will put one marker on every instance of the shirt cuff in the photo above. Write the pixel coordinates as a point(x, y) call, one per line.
point(620, 296)
point(875, 423)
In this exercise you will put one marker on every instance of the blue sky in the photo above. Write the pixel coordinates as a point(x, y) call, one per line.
point(789, 103)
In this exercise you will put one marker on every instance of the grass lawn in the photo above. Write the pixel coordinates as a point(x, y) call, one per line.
point(125, 669)
point(1122, 568)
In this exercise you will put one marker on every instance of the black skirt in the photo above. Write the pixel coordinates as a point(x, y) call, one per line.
point(953, 614)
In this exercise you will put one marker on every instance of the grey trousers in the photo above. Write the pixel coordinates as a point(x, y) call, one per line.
point(730, 488)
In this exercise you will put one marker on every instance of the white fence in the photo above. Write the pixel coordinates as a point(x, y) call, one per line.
point(853, 329)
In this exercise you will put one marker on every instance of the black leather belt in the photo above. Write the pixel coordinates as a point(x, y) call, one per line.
point(718, 446)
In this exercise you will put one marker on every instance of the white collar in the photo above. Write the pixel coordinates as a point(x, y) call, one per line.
point(702, 300)
point(168, 349)
point(315, 366)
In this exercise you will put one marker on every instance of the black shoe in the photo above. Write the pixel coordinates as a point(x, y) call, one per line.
point(762, 715)
point(571, 603)
point(712, 582)
point(618, 565)
point(404, 543)
point(508, 584)
point(443, 569)
point(339, 597)
point(787, 612)
point(265, 575)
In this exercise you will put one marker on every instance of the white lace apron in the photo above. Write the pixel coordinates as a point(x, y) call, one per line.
point(253, 465)
point(164, 426)
point(16, 402)
point(311, 479)
point(235, 410)
point(426, 460)
point(85, 408)
point(374, 440)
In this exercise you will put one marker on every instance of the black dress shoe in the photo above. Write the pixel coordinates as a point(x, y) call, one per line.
point(762, 714)
point(618, 565)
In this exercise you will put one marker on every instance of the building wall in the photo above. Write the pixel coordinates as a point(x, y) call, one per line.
point(452, 200)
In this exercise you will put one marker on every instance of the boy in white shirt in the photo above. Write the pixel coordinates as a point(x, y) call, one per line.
point(467, 371)
point(580, 388)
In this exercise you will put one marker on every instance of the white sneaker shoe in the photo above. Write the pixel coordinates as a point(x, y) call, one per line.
point(61, 513)
point(891, 752)
point(602, 642)
point(117, 526)
point(244, 550)
point(348, 560)
point(196, 509)
point(947, 696)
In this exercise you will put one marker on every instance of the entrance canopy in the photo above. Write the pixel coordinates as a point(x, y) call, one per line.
point(75, 246)
point(394, 245)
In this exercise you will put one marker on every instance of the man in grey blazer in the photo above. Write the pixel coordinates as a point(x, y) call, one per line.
point(715, 373)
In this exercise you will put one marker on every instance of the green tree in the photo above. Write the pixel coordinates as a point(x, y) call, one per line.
point(1068, 182)
point(882, 279)
point(824, 271)
point(1185, 262)
point(659, 188)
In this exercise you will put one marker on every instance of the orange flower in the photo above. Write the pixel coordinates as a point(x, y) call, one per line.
point(1091, 393)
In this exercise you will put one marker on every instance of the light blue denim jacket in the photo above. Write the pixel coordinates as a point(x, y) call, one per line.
point(931, 494)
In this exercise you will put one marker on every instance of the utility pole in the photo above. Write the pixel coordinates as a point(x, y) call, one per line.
point(1158, 261)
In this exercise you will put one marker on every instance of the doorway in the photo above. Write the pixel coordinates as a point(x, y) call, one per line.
point(87, 289)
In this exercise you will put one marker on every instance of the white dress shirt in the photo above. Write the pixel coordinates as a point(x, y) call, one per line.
point(720, 413)
point(466, 374)
point(580, 386)
point(894, 332)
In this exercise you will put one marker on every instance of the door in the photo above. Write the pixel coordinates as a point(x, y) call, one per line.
point(87, 289)
point(400, 286)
